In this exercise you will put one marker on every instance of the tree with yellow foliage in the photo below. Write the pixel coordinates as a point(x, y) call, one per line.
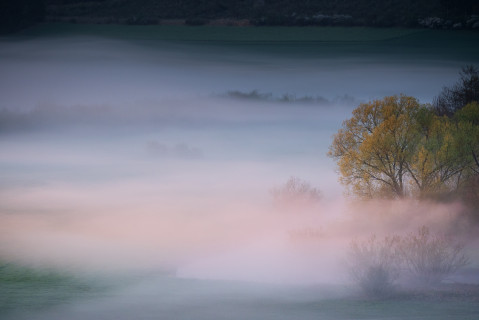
point(374, 148)
point(467, 120)
point(437, 164)
point(467, 142)
point(396, 147)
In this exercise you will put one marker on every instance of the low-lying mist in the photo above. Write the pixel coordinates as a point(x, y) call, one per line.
point(119, 157)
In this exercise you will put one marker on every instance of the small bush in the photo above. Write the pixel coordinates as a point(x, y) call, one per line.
point(375, 265)
point(430, 259)
point(296, 192)
point(422, 258)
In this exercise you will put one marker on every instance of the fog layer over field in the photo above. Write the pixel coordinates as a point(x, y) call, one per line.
point(120, 156)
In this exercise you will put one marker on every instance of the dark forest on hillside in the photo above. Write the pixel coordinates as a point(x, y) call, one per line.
point(459, 14)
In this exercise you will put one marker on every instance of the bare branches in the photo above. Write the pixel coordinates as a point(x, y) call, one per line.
point(426, 259)
point(375, 265)
point(429, 258)
point(296, 192)
point(466, 90)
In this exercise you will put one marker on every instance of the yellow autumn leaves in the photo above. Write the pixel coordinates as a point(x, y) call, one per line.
point(396, 147)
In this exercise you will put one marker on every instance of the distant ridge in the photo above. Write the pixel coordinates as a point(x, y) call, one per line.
point(439, 14)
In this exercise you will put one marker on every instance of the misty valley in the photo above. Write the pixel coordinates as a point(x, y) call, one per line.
point(145, 176)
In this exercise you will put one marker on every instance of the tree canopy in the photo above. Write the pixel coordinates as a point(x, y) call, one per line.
point(397, 147)
point(374, 147)
point(464, 91)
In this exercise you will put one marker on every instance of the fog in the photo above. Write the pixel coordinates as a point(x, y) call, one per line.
point(141, 157)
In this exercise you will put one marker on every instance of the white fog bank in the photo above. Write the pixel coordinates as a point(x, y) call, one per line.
point(119, 156)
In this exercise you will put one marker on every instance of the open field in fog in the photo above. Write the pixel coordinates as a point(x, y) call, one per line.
point(155, 149)
point(165, 297)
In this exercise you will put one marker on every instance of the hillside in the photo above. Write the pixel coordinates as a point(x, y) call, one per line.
point(459, 14)
point(385, 13)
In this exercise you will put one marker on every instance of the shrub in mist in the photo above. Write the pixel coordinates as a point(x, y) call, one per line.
point(374, 265)
point(429, 259)
point(422, 258)
point(295, 192)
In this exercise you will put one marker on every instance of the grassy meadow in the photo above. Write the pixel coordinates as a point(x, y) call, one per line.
point(34, 288)
point(35, 294)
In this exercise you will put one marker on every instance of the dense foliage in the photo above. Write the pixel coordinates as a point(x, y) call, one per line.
point(266, 12)
point(18, 14)
point(396, 147)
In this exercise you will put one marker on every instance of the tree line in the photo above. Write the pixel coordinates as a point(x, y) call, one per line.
point(384, 13)
point(396, 147)
point(17, 14)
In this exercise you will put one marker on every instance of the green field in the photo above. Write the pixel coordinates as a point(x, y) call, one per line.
point(27, 288)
